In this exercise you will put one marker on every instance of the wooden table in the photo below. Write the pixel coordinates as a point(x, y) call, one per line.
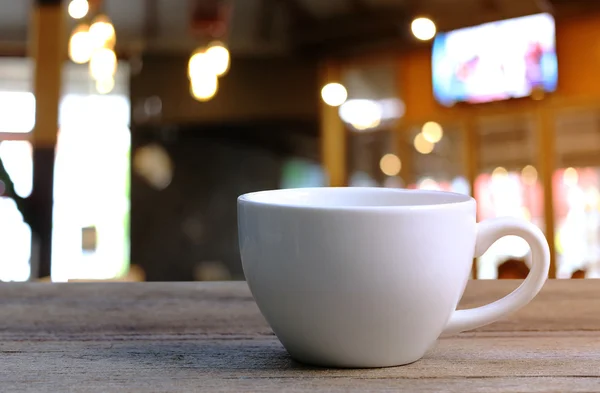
point(203, 337)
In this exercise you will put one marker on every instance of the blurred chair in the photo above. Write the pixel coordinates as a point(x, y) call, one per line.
point(512, 269)
point(211, 271)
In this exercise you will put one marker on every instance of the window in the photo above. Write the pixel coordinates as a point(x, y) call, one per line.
point(17, 111)
point(576, 185)
point(507, 185)
point(15, 235)
point(91, 190)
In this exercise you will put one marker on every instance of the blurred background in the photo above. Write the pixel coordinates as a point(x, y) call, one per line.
point(129, 128)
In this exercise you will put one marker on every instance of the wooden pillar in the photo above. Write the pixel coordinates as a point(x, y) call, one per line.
point(333, 132)
point(546, 135)
point(47, 48)
point(406, 153)
point(470, 154)
point(404, 145)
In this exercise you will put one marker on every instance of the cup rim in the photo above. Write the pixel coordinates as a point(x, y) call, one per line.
point(445, 199)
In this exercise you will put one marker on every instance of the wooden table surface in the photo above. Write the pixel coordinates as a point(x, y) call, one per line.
point(203, 337)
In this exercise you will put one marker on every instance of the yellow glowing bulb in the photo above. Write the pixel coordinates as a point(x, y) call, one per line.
point(499, 173)
point(102, 32)
point(80, 46)
point(218, 57)
point(366, 124)
point(78, 8)
point(199, 65)
point(204, 87)
point(423, 29)
point(529, 175)
point(105, 86)
point(570, 177)
point(422, 145)
point(526, 213)
point(334, 94)
point(432, 131)
point(428, 184)
point(390, 164)
point(103, 64)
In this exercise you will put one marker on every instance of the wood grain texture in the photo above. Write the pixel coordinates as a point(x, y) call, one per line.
point(180, 337)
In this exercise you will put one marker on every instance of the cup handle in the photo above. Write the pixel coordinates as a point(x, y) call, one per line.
point(488, 232)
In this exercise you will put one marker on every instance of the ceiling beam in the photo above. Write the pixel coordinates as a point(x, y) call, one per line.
point(266, 19)
point(384, 42)
point(13, 42)
point(391, 27)
point(359, 6)
point(349, 26)
point(572, 8)
point(151, 21)
point(297, 12)
point(352, 33)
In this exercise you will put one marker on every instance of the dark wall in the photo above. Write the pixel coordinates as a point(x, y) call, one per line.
point(194, 219)
point(254, 89)
point(264, 113)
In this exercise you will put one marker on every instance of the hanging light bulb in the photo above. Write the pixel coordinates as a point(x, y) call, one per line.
point(78, 8)
point(204, 87)
point(334, 94)
point(102, 32)
point(199, 64)
point(432, 131)
point(80, 45)
point(218, 57)
point(103, 64)
point(423, 29)
point(105, 86)
point(422, 145)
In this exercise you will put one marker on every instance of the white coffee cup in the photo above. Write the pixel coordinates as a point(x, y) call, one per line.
point(371, 277)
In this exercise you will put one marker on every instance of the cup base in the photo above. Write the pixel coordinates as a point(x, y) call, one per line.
point(351, 363)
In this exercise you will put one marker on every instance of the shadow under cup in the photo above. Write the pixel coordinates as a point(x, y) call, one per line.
point(356, 277)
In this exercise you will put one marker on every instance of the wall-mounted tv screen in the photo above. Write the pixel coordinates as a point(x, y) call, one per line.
point(495, 61)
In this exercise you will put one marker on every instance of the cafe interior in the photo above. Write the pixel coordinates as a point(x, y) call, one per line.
point(129, 128)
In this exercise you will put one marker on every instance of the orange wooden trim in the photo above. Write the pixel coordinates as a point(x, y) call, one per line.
point(333, 131)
